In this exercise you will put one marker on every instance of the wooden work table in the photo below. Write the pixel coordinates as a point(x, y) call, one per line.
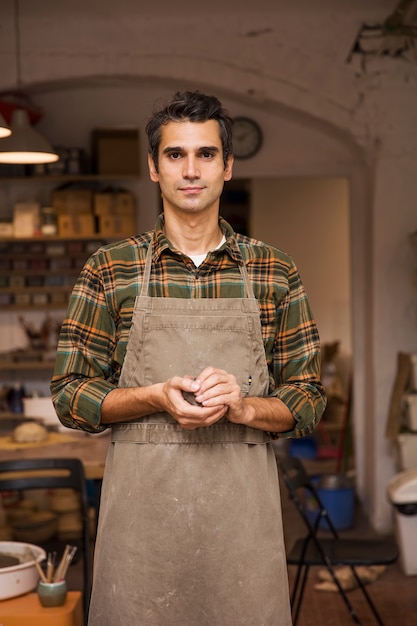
point(68, 443)
point(26, 610)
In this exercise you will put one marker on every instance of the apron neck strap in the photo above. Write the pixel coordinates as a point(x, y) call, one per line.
point(246, 281)
point(147, 273)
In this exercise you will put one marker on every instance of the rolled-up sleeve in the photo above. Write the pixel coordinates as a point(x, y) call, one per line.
point(295, 364)
point(84, 370)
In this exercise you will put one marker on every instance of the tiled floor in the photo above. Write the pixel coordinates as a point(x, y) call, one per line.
point(394, 593)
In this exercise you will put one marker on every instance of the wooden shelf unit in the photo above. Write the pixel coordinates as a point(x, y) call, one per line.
point(40, 272)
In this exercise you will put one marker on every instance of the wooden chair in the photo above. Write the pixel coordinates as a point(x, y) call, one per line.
point(329, 552)
point(19, 475)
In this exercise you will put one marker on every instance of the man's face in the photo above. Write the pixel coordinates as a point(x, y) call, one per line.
point(191, 169)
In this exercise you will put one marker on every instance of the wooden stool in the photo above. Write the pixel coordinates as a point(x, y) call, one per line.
point(26, 610)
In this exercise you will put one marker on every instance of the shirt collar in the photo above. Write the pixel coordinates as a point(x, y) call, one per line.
point(161, 243)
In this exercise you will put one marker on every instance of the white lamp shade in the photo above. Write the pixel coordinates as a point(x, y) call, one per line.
point(4, 129)
point(25, 144)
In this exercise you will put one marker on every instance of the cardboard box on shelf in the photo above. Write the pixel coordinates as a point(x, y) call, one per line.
point(26, 219)
point(76, 225)
point(114, 202)
point(116, 151)
point(116, 213)
point(72, 200)
point(6, 229)
point(116, 225)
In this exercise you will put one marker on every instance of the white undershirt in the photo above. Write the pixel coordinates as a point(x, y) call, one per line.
point(198, 259)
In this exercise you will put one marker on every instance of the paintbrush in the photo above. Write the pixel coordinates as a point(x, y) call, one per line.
point(40, 570)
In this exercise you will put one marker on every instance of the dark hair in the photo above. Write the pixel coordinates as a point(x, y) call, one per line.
point(190, 106)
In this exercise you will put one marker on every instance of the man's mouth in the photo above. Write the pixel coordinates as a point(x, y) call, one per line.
point(191, 189)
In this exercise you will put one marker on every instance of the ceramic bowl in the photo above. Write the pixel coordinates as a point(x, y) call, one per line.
point(23, 577)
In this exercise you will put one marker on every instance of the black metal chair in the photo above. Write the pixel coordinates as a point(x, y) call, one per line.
point(54, 473)
point(329, 552)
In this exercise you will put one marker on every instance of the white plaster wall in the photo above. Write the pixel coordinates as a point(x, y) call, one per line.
point(309, 219)
point(285, 63)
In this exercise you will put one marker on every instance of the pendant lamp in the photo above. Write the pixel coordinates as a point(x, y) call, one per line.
point(25, 144)
point(4, 129)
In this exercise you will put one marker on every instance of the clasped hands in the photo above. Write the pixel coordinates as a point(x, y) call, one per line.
point(217, 393)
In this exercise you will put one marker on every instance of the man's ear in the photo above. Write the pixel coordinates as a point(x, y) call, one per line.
point(153, 172)
point(228, 170)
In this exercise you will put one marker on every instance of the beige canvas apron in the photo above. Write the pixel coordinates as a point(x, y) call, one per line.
point(190, 529)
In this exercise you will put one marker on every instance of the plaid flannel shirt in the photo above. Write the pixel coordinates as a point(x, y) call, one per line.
point(94, 335)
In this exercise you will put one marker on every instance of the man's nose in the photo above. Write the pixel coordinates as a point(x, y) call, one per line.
point(191, 169)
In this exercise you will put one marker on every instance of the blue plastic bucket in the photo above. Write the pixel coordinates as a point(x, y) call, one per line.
point(303, 448)
point(338, 496)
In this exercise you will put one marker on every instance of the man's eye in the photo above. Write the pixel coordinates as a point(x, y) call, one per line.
point(174, 155)
point(207, 155)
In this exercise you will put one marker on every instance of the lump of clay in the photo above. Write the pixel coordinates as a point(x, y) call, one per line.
point(30, 432)
point(190, 397)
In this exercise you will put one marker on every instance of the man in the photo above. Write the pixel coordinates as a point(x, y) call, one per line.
point(197, 347)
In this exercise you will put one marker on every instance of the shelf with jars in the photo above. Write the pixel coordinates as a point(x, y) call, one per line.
point(74, 208)
point(52, 218)
point(39, 272)
point(87, 194)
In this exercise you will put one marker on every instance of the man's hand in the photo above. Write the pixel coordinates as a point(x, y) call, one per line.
point(188, 415)
point(218, 387)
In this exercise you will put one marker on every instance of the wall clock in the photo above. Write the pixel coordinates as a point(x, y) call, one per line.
point(247, 137)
